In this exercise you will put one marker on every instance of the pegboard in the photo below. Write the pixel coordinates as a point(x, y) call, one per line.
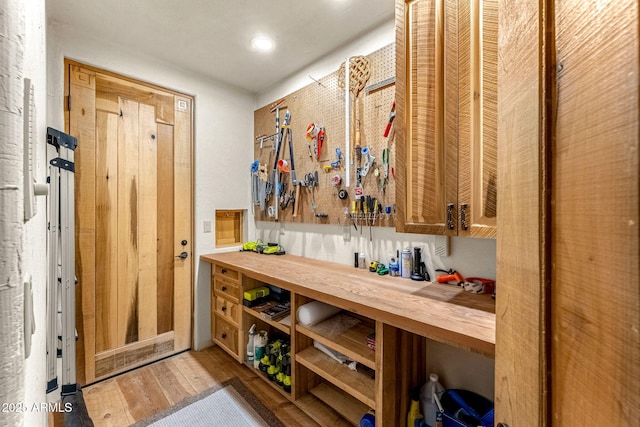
point(323, 102)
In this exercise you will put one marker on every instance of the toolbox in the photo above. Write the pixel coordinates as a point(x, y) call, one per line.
point(464, 408)
point(255, 296)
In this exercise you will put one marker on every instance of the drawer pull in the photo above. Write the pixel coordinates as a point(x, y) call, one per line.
point(224, 270)
point(224, 335)
point(224, 308)
point(450, 224)
point(463, 216)
point(224, 289)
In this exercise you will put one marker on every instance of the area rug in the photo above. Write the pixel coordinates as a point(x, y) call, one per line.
point(231, 405)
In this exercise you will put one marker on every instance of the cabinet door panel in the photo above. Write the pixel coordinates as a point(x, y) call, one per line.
point(477, 163)
point(425, 130)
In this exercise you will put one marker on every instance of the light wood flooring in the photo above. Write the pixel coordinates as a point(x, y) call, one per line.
point(133, 396)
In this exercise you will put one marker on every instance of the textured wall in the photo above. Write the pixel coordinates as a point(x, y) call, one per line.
point(11, 207)
point(35, 230)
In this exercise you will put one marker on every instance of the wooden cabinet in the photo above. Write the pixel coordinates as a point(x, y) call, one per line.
point(402, 317)
point(446, 124)
point(567, 349)
point(226, 297)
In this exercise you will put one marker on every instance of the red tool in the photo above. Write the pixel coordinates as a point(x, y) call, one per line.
point(320, 138)
point(392, 115)
point(450, 276)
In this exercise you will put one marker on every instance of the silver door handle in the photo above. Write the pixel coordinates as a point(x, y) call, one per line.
point(182, 255)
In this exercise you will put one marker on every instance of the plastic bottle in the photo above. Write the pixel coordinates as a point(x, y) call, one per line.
point(429, 406)
point(252, 331)
point(414, 417)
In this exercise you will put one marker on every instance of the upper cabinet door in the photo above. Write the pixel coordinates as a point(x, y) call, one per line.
point(426, 129)
point(446, 77)
point(478, 117)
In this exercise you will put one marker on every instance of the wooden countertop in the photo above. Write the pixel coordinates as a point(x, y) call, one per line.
point(444, 313)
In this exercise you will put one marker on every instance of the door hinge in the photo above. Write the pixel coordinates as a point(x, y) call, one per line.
point(68, 102)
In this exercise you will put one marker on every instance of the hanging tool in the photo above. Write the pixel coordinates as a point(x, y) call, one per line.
point(312, 136)
point(285, 135)
point(392, 116)
point(383, 178)
point(358, 138)
point(311, 181)
point(319, 142)
point(352, 76)
point(368, 161)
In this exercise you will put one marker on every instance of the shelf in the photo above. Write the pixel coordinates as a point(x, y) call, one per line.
point(280, 324)
point(351, 343)
point(351, 409)
point(320, 412)
point(273, 384)
point(354, 383)
point(314, 407)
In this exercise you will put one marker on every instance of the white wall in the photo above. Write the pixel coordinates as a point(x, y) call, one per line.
point(223, 137)
point(471, 257)
point(35, 230)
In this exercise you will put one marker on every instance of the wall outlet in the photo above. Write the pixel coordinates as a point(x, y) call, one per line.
point(207, 227)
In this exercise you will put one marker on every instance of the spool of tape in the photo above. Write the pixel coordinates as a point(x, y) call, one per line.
point(283, 165)
point(342, 194)
point(336, 180)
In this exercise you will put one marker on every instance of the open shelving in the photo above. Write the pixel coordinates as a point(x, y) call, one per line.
point(282, 325)
point(402, 314)
point(355, 383)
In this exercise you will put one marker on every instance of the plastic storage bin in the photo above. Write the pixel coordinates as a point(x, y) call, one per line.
point(464, 408)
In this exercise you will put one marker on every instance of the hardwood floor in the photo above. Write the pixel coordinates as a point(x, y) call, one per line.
point(135, 395)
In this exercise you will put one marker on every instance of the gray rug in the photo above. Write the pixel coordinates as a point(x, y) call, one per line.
point(230, 405)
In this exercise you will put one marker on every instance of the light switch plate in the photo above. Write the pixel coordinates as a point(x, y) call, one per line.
point(207, 227)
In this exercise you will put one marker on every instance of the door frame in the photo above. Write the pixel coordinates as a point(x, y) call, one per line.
point(80, 352)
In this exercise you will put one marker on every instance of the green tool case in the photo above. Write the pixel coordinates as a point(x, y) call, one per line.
point(255, 295)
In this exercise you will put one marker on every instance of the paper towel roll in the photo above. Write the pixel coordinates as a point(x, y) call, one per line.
point(315, 312)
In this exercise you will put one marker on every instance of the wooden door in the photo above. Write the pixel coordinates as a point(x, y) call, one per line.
point(133, 220)
point(478, 118)
point(426, 124)
point(595, 234)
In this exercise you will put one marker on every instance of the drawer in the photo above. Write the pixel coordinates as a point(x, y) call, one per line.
point(229, 310)
point(231, 275)
point(226, 288)
point(226, 335)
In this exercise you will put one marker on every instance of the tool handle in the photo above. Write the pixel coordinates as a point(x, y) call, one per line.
point(296, 203)
point(387, 130)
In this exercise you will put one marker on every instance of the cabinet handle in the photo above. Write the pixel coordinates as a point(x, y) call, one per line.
point(224, 335)
point(224, 289)
point(224, 270)
point(224, 308)
point(463, 216)
point(450, 224)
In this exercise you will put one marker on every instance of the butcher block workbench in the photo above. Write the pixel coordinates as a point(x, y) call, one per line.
point(403, 314)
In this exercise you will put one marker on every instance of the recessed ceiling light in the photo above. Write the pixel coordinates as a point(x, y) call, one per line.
point(262, 43)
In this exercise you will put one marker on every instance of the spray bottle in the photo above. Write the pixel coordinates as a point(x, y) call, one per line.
point(252, 331)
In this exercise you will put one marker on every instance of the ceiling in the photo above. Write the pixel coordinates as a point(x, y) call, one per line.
point(213, 37)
